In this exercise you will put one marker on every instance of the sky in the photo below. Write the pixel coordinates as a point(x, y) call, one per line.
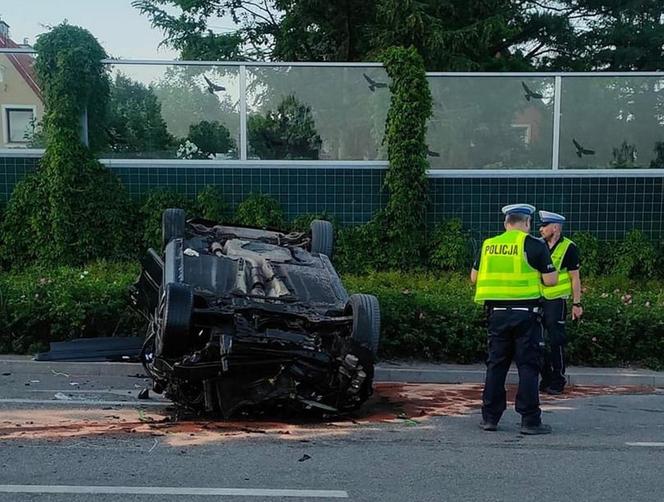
point(120, 28)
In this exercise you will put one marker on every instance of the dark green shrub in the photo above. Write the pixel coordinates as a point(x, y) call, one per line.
point(211, 138)
point(260, 210)
point(302, 222)
point(359, 248)
point(287, 133)
point(589, 251)
point(434, 317)
point(211, 205)
point(41, 305)
point(151, 210)
point(633, 257)
point(450, 247)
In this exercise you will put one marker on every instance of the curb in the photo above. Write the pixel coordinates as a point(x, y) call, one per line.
point(384, 372)
point(574, 377)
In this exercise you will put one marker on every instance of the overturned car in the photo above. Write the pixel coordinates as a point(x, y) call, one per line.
point(248, 320)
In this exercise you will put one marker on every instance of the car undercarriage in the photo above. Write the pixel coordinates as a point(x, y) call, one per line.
point(244, 320)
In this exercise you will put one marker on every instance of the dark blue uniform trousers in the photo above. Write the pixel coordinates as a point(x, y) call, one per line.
point(513, 335)
point(553, 366)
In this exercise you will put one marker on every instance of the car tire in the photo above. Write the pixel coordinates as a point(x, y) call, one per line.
point(366, 321)
point(172, 225)
point(322, 237)
point(174, 336)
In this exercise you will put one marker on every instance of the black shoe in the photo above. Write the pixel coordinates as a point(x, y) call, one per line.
point(553, 392)
point(488, 426)
point(535, 430)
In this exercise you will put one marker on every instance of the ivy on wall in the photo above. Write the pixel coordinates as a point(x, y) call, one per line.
point(403, 219)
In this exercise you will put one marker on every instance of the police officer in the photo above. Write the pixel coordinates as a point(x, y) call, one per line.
point(508, 275)
point(565, 256)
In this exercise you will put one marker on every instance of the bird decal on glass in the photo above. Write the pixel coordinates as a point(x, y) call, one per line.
point(581, 151)
point(373, 85)
point(530, 93)
point(212, 87)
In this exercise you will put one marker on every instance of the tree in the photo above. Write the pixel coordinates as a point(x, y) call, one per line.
point(185, 102)
point(449, 34)
point(287, 133)
point(211, 138)
point(135, 122)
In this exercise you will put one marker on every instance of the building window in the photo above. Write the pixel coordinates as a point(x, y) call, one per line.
point(523, 132)
point(18, 122)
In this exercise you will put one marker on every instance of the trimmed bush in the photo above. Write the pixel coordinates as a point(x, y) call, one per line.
point(450, 247)
point(429, 317)
point(38, 305)
point(260, 210)
point(209, 204)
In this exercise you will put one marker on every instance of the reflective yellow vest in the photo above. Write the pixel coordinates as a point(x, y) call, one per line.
point(504, 272)
point(564, 287)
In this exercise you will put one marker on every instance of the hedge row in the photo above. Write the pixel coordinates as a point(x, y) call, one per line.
point(423, 316)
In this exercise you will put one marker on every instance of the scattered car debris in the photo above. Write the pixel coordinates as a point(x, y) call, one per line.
point(255, 319)
point(100, 349)
point(304, 458)
point(6, 374)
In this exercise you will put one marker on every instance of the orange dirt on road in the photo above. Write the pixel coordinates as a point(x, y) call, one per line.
point(391, 403)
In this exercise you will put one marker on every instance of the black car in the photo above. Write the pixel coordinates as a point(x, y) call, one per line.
point(243, 319)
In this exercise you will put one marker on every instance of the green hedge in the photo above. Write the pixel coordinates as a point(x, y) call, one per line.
point(427, 317)
point(424, 317)
point(38, 306)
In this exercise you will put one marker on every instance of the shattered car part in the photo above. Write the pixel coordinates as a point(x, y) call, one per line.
point(242, 319)
point(113, 349)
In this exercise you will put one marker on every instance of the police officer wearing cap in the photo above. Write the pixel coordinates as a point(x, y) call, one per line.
point(565, 256)
point(508, 274)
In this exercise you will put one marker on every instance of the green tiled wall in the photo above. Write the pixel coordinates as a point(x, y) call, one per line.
point(606, 206)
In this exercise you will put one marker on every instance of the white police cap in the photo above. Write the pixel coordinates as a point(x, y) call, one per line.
point(526, 209)
point(549, 217)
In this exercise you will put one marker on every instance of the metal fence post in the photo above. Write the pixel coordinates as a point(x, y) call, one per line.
point(555, 159)
point(243, 112)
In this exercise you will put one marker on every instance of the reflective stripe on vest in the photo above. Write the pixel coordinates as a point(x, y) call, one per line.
point(564, 287)
point(504, 272)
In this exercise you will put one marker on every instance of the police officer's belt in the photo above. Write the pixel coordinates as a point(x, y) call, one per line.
point(536, 310)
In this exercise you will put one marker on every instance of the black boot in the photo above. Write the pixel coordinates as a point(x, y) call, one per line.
point(535, 430)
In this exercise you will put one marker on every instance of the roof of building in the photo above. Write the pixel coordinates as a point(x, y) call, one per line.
point(24, 64)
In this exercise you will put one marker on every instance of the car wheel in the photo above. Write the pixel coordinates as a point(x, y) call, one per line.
point(172, 225)
point(366, 320)
point(322, 237)
point(173, 338)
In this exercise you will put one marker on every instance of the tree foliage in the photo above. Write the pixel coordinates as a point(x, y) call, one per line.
point(135, 122)
point(289, 132)
point(405, 135)
point(211, 138)
point(449, 34)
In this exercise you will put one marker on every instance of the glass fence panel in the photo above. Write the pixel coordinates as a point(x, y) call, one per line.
point(491, 122)
point(173, 111)
point(612, 122)
point(316, 113)
point(21, 102)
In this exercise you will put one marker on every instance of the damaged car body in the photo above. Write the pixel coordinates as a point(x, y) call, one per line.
point(244, 320)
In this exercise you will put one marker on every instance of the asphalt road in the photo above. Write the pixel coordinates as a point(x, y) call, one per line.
point(604, 448)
